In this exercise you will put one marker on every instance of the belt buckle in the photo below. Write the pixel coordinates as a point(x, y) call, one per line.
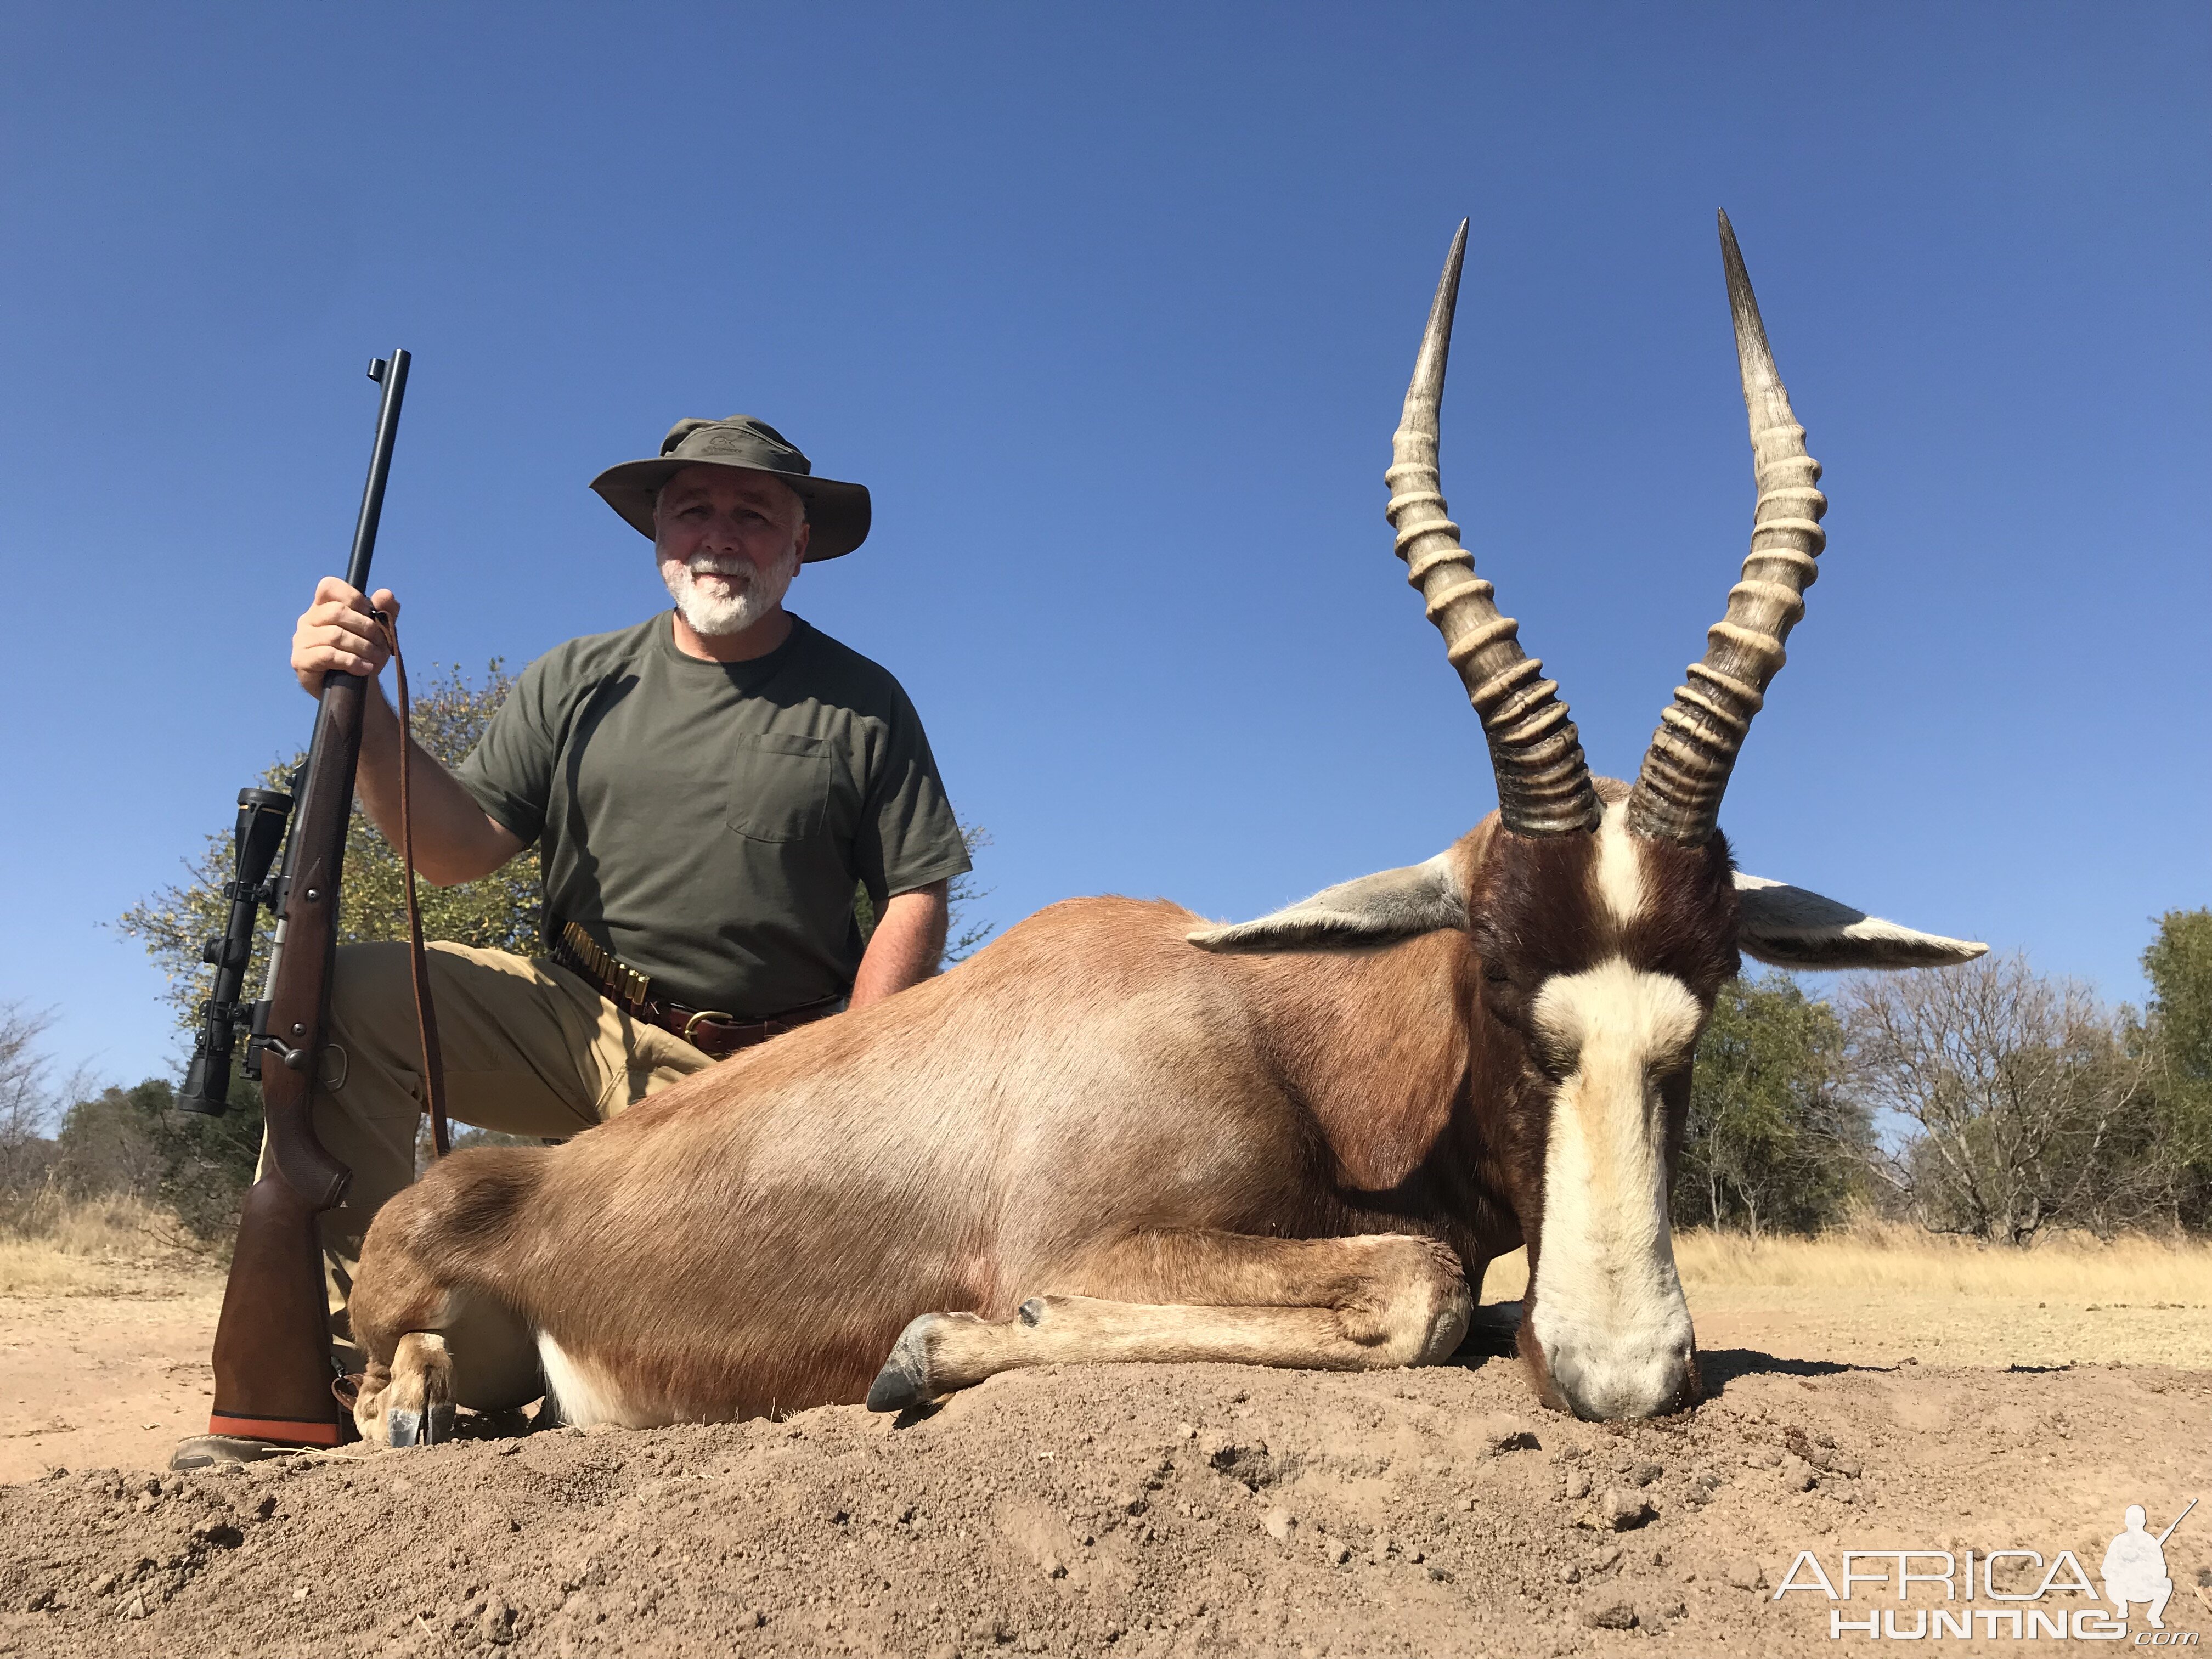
point(706, 1014)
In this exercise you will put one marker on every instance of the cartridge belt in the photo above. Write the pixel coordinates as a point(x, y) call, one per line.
point(710, 1030)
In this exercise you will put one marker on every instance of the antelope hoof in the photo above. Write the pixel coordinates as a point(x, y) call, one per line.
point(418, 1397)
point(904, 1382)
point(432, 1427)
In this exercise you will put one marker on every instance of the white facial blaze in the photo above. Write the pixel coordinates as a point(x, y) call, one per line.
point(1609, 1310)
point(1619, 874)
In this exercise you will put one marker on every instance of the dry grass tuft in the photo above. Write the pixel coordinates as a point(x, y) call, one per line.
point(2134, 1270)
point(87, 1247)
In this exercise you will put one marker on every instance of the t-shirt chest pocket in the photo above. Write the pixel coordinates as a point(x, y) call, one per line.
point(779, 786)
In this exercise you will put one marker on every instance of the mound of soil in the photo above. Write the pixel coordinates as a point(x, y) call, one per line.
point(1146, 1510)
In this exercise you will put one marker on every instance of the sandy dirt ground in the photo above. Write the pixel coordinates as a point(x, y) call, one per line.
point(115, 1380)
point(1147, 1510)
point(112, 1381)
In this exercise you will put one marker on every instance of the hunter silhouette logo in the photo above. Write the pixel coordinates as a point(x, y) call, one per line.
point(2134, 1566)
point(2134, 1573)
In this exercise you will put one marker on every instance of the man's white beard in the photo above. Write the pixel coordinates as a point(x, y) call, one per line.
point(755, 592)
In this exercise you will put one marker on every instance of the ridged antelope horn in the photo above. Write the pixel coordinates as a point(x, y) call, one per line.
point(1685, 771)
point(1543, 781)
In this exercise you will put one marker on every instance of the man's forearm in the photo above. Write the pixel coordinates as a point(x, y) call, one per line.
point(454, 840)
point(907, 945)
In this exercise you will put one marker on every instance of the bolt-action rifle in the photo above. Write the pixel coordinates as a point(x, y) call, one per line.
point(273, 1369)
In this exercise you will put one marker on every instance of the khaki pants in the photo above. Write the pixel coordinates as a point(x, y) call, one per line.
point(528, 1048)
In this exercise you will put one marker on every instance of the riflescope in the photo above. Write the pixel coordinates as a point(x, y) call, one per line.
point(262, 817)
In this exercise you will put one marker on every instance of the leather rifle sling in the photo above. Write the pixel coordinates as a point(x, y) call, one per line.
point(426, 1013)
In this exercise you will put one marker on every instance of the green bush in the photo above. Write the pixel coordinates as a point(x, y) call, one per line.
point(2176, 1035)
point(134, 1141)
point(1773, 1143)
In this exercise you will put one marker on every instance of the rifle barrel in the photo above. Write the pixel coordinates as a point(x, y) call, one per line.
point(392, 374)
point(2178, 1520)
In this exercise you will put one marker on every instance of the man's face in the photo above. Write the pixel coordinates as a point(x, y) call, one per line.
point(729, 540)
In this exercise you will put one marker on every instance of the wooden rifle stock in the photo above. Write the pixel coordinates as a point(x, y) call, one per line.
point(272, 1345)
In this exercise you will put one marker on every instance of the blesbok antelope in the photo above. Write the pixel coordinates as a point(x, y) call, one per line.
point(1120, 1133)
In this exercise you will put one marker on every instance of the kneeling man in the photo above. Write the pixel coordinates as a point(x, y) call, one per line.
point(707, 789)
point(2135, 1569)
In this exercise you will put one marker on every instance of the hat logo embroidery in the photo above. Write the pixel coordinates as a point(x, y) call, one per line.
point(726, 443)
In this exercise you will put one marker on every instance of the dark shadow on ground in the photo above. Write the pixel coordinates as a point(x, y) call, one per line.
point(1720, 1366)
point(1490, 1334)
point(1493, 1331)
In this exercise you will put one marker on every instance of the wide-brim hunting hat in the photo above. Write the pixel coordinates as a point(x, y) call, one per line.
point(838, 512)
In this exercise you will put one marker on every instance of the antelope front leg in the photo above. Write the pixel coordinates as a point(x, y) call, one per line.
point(409, 1402)
point(1369, 1302)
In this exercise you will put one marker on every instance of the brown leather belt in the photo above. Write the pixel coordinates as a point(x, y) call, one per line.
point(710, 1030)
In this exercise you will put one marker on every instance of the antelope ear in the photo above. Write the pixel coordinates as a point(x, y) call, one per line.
point(1390, 904)
point(1790, 927)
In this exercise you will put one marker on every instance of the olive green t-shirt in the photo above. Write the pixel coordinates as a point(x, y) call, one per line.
point(707, 821)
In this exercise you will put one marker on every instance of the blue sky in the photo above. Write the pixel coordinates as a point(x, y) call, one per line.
point(1113, 309)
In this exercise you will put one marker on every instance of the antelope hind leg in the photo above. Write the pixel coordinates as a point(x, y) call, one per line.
point(1369, 1302)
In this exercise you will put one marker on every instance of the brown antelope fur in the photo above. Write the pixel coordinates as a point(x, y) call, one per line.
point(1089, 1107)
point(1120, 1133)
point(1059, 1114)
